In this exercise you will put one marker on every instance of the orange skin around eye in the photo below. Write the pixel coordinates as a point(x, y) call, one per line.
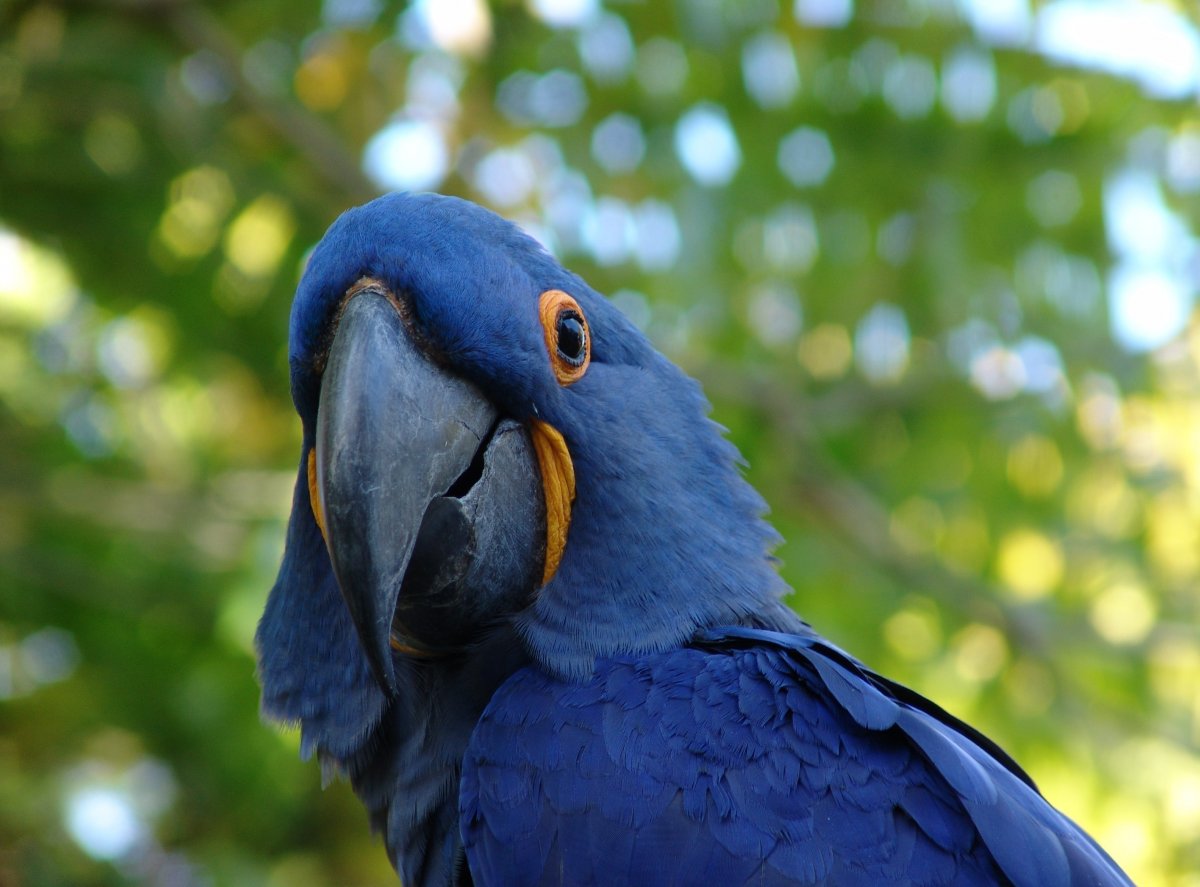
point(553, 303)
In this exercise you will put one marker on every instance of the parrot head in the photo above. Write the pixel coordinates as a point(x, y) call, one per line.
point(487, 442)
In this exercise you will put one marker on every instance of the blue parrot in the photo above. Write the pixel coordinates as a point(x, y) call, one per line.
point(528, 606)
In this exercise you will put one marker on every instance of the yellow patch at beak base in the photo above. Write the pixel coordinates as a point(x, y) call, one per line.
point(314, 497)
point(558, 484)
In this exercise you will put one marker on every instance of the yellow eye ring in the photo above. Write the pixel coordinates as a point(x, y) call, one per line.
point(568, 338)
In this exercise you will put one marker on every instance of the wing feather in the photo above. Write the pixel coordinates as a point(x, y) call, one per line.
point(752, 757)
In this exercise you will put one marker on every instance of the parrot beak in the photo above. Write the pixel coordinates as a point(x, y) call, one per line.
point(430, 502)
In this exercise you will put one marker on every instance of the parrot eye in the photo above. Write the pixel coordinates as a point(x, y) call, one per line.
point(572, 337)
point(568, 340)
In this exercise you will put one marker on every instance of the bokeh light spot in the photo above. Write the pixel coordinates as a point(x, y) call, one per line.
point(1146, 42)
point(103, 822)
point(609, 231)
point(910, 86)
point(805, 156)
point(980, 652)
point(554, 99)
point(258, 238)
point(463, 27)
point(965, 542)
point(790, 241)
point(662, 67)
point(969, 84)
point(823, 13)
point(505, 177)
point(707, 146)
point(1123, 613)
point(113, 143)
point(563, 13)
point(606, 48)
point(321, 81)
point(432, 87)
point(1173, 536)
point(351, 13)
point(1054, 198)
point(1035, 466)
point(998, 22)
point(1098, 414)
point(1029, 563)
point(998, 373)
point(407, 155)
point(1183, 162)
point(205, 77)
point(769, 70)
point(826, 351)
point(618, 144)
point(658, 239)
point(200, 199)
point(881, 345)
point(133, 349)
point(1140, 226)
point(775, 313)
point(896, 238)
point(49, 655)
point(914, 633)
point(1102, 499)
point(36, 287)
point(1148, 306)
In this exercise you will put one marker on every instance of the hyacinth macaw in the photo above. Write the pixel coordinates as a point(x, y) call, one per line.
point(527, 605)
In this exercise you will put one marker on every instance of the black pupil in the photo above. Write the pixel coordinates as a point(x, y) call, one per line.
point(572, 338)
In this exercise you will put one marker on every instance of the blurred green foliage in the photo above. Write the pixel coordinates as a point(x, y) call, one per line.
point(888, 238)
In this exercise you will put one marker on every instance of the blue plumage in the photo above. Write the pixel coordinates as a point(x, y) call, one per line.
point(653, 714)
point(748, 757)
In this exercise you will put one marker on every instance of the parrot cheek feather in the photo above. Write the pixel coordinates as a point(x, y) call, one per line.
point(311, 667)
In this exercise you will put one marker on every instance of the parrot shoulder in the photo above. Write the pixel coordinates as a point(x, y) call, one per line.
point(750, 756)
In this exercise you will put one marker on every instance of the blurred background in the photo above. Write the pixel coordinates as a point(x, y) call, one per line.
point(934, 261)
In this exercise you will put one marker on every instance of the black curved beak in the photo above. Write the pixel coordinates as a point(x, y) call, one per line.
point(427, 494)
